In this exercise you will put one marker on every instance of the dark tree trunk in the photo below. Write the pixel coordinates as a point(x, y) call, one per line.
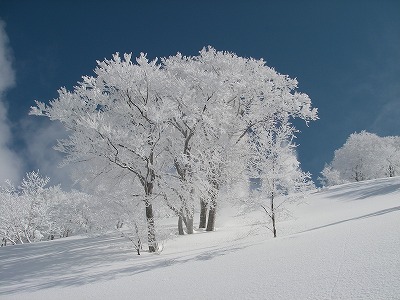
point(148, 184)
point(273, 224)
point(273, 215)
point(213, 206)
point(138, 241)
point(151, 234)
point(180, 226)
point(203, 214)
point(211, 218)
point(184, 172)
point(391, 171)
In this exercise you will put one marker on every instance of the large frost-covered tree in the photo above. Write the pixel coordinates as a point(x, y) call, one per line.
point(229, 97)
point(179, 128)
point(118, 118)
point(206, 112)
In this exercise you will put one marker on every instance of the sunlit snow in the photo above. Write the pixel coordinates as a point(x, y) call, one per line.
point(338, 243)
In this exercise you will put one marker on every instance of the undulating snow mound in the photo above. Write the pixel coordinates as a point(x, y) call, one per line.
point(338, 243)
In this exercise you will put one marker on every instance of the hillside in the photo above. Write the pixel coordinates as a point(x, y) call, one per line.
point(338, 243)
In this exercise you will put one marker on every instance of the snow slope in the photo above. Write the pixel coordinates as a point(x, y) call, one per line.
point(339, 243)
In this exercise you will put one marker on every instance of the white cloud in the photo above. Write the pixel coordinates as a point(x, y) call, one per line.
point(10, 164)
point(40, 136)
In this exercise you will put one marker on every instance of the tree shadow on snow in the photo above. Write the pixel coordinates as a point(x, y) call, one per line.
point(374, 214)
point(364, 190)
point(70, 262)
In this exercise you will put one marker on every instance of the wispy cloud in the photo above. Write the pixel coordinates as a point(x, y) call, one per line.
point(10, 164)
point(40, 136)
point(387, 121)
point(385, 82)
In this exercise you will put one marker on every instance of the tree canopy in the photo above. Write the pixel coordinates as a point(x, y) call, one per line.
point(175, 130)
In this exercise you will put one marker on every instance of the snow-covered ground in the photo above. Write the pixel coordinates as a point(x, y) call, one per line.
point(339, 243)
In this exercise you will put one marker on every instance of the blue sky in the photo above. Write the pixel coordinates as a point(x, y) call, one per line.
point(345, 55)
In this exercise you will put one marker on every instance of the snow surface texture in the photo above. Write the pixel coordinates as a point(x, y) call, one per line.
point(339, 243)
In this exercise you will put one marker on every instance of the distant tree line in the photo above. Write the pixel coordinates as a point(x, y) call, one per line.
point(33, 211)
point(364, 156)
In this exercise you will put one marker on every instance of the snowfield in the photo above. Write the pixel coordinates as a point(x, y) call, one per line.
point(338, 243)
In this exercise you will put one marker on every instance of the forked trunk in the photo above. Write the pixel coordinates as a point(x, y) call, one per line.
point(188, 223)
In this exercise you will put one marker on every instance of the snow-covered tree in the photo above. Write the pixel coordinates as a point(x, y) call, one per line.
point(34, 211)
point(203, 114)
point(391, 149)
point(273, 159)
point(74, 213)
point(117, 118)
point(330, 176)
point(177, 128)
point(363, 156)
point(25, 211)
point(229, 97)
point(11, 216)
